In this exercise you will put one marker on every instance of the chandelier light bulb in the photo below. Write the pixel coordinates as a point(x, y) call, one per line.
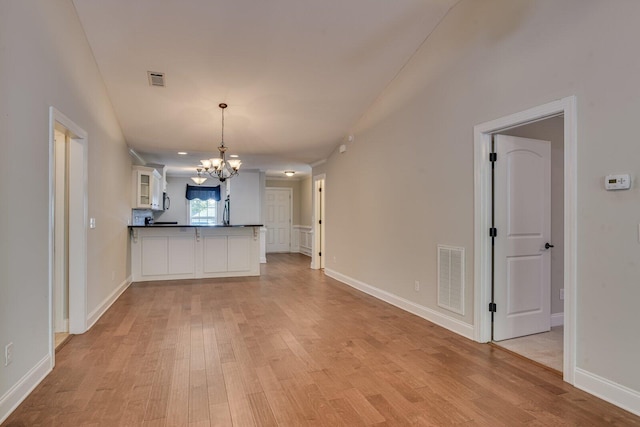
point(235, 164)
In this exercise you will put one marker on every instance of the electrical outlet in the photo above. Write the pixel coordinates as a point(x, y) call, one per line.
point(8, 354)
point(562, 294)
point(416, 286)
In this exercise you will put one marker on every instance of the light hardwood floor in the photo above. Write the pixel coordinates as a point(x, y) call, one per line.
point(291, 348)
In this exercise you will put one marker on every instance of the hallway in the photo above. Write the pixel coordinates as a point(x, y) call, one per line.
point(292, 347)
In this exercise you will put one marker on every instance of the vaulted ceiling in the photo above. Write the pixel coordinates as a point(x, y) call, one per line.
point(296, 74)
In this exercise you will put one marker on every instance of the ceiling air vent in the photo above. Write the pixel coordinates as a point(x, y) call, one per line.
point(155, 79)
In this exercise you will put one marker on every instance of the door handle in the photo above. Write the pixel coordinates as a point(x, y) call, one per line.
point(548, 245)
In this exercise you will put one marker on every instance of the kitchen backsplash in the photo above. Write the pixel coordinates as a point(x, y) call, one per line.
point(138, 216)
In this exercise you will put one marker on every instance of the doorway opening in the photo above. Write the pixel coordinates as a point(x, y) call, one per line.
point(61, 237)
point(67, 227)
point(318, 253)
point(528, 183)
point(560, 113)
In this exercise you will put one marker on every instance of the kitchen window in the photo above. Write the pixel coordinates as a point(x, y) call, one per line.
point(202, 212)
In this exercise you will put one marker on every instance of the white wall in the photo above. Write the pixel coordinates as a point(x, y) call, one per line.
point(246, 200)
point(306, 191)
point(486, 60)
point(45, 61)
point(176, 190)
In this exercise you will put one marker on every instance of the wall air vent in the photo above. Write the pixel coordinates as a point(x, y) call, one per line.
point(451, 278)
point(155, 78)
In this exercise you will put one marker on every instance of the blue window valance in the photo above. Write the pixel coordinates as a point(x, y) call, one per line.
point(203, 193)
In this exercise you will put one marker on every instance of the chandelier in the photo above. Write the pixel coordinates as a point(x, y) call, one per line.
point(199, 179)
point(218, 167)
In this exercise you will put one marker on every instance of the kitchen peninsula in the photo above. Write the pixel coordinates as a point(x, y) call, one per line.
point(170, 252)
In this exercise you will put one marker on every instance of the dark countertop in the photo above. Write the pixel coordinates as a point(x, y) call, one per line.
point(194, 226)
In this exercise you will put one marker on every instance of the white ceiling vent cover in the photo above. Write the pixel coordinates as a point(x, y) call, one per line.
point(451, 278)
point(155, 78)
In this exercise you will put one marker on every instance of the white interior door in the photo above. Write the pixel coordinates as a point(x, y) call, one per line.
point(522, 209)
point(278, 219)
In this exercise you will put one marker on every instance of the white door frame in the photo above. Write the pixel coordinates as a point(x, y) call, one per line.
point(482, 219)
point(78, 208)
point(318, 229)
point(290, 191)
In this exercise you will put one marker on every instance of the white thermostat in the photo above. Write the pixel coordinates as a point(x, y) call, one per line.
point(617, 182)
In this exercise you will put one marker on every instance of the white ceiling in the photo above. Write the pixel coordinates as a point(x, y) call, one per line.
point(296, 74)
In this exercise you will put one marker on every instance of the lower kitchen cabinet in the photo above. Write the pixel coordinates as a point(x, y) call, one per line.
point(169, 253)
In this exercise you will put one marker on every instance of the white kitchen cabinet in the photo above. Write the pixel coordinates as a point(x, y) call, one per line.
point(226, 253)
point(147, 188)
point(238, 253)
point(214, 255)
point(162, 170)
point(154, 249)
point(177, 252)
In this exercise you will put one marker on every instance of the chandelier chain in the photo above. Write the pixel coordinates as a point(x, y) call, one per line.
point(221, 106)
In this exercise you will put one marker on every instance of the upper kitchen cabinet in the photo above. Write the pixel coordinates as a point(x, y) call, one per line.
point(147, 188)
point(162, 170)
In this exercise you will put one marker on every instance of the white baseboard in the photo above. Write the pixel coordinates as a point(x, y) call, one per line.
point(605, 389)
point(557, 319)
point(16, 394)
point(263, 260)
point(108, 301)
point(450, 323)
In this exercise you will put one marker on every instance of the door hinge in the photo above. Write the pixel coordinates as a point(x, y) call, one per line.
point(319, 253)
point(493, 157)
point(493, 232)
point(319, 221)
point(320, 190)
point(492, 307)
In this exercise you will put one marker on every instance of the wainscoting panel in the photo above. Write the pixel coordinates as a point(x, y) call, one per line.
point(301, 241)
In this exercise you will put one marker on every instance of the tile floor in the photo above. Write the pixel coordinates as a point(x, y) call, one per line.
point(61, 339)
point(544, 348)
